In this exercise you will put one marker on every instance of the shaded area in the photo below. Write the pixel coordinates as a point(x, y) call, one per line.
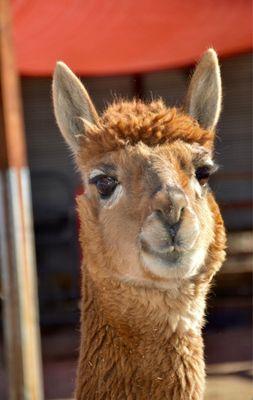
point(100, 38)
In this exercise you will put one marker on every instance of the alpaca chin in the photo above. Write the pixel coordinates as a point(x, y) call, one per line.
point(180, 265)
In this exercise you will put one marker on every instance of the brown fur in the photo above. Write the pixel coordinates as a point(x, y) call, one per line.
point(128, 348)
point(142, 308)
point(127, 123)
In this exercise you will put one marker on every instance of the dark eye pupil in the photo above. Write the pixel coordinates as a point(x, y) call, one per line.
point(202, 174)
point(106, 185)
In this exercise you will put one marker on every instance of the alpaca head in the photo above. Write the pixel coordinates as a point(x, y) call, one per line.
point(145, 169)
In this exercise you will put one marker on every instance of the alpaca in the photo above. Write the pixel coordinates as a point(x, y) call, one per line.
point(151, 233)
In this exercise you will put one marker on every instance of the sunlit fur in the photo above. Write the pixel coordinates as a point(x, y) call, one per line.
point(151, 248)
point(141, 319)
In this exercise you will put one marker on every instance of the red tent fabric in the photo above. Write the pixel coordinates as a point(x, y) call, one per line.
point(101, 37)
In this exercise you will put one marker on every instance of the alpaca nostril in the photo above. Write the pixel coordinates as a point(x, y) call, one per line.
point(160, 214)
point(181, 213)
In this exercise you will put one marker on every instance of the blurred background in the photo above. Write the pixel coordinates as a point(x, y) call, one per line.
point(129, 49)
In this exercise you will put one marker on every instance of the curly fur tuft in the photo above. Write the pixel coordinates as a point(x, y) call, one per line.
point(127, 123)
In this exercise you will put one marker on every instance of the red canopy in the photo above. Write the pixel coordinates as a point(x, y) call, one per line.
point(99, 37)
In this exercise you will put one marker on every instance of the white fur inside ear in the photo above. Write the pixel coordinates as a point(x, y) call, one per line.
point(205, 92)
point(72, 105)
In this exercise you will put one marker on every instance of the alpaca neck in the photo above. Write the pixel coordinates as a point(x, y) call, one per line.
point(137, 341)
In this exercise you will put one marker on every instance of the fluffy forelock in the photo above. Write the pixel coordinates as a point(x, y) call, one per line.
point(127, 123)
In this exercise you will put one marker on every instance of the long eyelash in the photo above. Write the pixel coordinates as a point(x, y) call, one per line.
point(213, 168)
point(94, 179)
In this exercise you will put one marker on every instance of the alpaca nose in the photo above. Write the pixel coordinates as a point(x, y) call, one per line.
point(169, 205)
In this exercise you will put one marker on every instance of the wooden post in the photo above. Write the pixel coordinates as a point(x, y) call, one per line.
point(17, 261)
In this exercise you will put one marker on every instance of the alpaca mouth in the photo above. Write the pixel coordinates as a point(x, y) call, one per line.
point(167, 255)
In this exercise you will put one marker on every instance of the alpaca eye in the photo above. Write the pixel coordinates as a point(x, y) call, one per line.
point(202, 174)
point(106, 185)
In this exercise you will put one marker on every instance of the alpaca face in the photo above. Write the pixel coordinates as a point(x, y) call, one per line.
point(145, 170)
point(152, 207)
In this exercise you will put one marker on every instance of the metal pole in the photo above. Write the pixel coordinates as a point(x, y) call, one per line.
point(18, 269)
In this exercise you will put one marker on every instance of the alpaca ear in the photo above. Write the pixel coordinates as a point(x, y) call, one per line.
point(203, 101)
point(72, 105)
